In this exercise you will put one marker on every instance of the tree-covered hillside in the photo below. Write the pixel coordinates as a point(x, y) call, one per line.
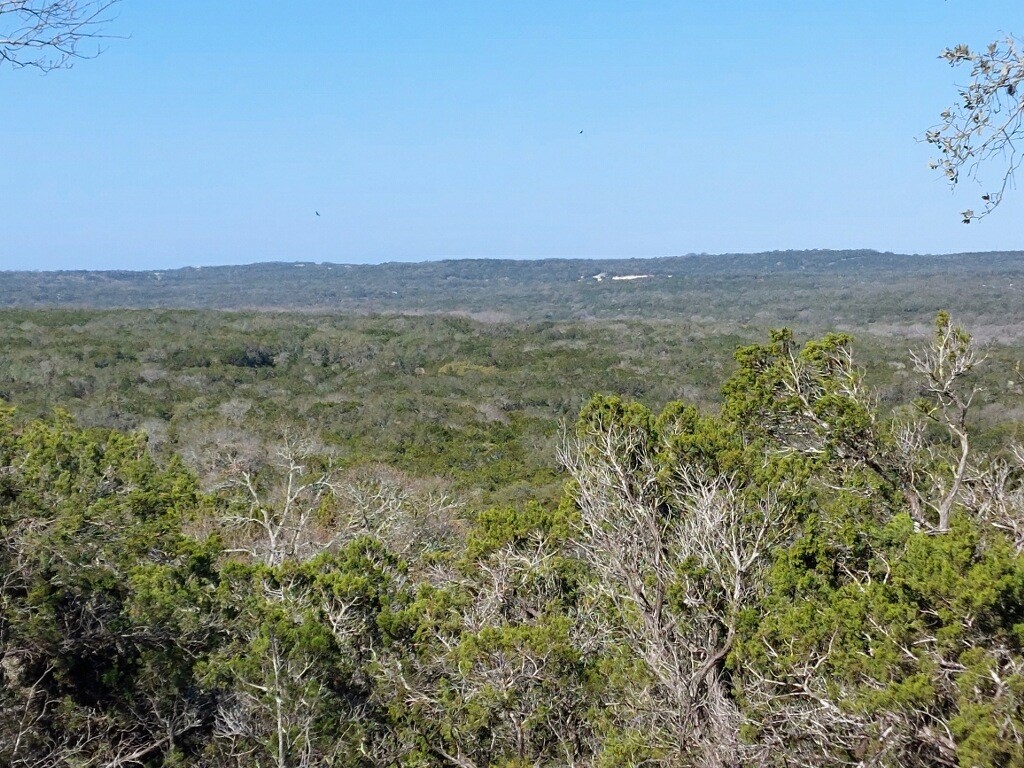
point(634, 533)
point(820, 289)
point(477, 405)
point(790, 574)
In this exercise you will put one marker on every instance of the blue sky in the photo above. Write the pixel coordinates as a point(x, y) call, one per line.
point(447, 129)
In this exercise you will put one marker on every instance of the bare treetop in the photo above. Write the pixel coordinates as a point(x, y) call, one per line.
point(51, 34)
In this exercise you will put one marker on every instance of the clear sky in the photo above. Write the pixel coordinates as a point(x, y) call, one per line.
point(424, 130)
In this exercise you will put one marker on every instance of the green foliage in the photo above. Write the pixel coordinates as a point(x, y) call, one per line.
point(105, 598)
point(712, 585)
point(514, 526)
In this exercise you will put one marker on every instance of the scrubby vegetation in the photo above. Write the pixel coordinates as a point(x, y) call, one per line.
point(368, 542)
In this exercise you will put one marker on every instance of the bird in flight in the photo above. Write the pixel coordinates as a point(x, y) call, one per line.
point(581, 131)
point(317, 212)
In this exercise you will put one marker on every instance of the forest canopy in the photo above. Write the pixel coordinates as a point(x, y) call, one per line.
point(794, 576)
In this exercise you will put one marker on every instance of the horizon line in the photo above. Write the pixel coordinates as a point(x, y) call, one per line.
point(443, 259)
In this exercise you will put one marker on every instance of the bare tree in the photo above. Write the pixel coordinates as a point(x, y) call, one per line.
point(52, 34)
point(944, 365)
point(412, 515)
point(995, 493)
point(675, 559)
point(91, 738)
point(281, 502)
point(291, 502)
point(986, 124)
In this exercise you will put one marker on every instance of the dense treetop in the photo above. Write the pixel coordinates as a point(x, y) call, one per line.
point(790, 573)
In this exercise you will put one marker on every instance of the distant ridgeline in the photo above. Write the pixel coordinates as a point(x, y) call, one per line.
point(806, 288)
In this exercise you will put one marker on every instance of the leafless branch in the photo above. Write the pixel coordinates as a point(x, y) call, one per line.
point(675, 559)
point(52, 34)
point(944, 366)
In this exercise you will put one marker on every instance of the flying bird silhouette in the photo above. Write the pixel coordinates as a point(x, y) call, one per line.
point(317, 212)
point(581, 131)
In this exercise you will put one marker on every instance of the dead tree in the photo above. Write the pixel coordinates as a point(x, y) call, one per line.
point(674, 560)
point(944, 366)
